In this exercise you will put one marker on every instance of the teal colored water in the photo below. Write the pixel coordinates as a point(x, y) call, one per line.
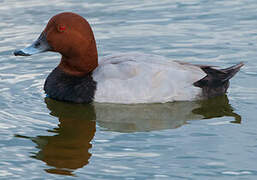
point(215, 139)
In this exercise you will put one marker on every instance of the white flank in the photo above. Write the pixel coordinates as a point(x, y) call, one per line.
point(143, 78)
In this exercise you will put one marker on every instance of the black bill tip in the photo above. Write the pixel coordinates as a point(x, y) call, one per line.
point(20, 53)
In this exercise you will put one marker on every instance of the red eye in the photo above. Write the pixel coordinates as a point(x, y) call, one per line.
point(61, 28)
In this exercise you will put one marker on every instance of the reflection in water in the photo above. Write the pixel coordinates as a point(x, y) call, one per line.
point(217, 107)
point(69, 148)
point(149, 117)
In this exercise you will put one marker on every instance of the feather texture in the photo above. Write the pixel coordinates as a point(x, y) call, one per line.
point(142, 78)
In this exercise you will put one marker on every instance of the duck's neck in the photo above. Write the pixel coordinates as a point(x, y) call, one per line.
point(76, 67)
point(81, 63)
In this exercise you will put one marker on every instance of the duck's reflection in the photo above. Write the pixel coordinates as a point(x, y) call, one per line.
point(150, 117)
point(217, 107)
point(68, 149)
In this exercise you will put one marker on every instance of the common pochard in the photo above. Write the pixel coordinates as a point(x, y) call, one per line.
point(122, 78)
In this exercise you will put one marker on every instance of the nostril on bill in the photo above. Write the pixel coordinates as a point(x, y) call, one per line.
point(37, 44)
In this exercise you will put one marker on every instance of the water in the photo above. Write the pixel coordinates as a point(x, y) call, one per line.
point(215, 139)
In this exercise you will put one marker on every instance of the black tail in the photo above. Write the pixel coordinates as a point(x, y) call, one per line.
point(216, 82)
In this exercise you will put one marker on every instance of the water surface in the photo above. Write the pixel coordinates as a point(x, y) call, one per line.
point(213, 139)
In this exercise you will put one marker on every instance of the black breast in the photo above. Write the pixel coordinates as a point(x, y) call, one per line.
point(64, 87)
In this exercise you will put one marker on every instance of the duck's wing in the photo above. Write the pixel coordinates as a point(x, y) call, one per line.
point(142, 78)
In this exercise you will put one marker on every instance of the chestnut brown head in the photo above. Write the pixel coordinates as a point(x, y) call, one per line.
point(70, 35)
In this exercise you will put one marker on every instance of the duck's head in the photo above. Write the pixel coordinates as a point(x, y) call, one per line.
point(70, 35)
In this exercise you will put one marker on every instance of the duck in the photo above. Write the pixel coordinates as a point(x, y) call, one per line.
point(124, 78)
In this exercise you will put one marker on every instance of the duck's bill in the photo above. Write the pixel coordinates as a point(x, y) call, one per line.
point(39, 46)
